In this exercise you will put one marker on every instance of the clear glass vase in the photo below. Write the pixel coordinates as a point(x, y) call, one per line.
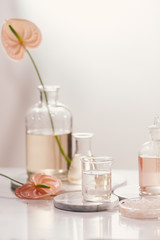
point(42, 150)
point(82, 148)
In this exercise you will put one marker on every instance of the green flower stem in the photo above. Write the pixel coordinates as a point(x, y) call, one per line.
point(38, 185)
point(11, 179)
point(45, 94)
point(46, 99)
point(40, 79)
point(62, 151)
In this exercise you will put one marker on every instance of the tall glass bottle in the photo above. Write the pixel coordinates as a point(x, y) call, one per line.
point(149, 162)
point(82, 148)
point(42, 151)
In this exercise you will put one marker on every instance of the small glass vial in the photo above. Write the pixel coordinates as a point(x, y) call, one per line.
point(149, 162)
point(42, 151)
point(82, 148)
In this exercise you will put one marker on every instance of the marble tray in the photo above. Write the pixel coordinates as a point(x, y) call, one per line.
point(73, 201)
point(128, 191)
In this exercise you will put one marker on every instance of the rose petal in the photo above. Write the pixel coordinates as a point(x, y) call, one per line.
point(27, 30)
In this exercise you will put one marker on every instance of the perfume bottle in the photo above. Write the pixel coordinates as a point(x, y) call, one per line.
point(82, 148)
point(42, 151)
point(149, 162)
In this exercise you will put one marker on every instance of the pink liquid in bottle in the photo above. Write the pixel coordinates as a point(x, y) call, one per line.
point(149, 175)
point(149, 162)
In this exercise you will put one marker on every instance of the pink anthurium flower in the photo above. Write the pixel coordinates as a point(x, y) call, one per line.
point(40, 186)
point(29, 36)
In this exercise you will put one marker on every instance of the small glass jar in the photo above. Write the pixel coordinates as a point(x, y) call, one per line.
point(149, 162)
point(82, 148)
point(96, 178)
point(42, 150)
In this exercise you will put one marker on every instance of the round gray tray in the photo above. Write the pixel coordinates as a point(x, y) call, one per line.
point(128, 191)
point(73, 201)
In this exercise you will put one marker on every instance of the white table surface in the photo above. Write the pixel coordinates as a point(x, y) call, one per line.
point(38, 219)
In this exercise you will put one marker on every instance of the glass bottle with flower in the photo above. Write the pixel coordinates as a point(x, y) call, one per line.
point(44, 127)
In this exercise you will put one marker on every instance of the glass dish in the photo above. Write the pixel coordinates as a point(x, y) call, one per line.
point(142, 208)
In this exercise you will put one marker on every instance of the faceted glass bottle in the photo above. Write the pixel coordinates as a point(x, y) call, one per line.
point(42, 151)
point(82, 148)
point(149, 163)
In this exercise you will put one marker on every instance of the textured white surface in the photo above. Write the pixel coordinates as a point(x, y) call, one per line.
point(23, 219)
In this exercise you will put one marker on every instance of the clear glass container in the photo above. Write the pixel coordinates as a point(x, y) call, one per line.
point(82, 148)
point(42, 151)
point(96, 178)
point(149, 162)
point(140, 207)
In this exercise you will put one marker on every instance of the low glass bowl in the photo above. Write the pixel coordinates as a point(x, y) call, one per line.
point(140, 207)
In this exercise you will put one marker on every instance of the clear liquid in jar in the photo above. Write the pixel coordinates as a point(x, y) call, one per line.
point(96, 185)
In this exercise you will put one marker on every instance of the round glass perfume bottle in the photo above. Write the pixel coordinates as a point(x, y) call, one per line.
point(42, 150)
point(82, 148)
point(149, 162)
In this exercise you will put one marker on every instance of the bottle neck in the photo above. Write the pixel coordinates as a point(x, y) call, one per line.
point(155, 130)
point(50, 93)
point(155, 134)
point(83, 144)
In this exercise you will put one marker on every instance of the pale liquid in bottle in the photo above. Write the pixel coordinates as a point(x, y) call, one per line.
point(43, 154)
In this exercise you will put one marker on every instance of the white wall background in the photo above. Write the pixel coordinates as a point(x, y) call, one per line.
point(104, 54)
